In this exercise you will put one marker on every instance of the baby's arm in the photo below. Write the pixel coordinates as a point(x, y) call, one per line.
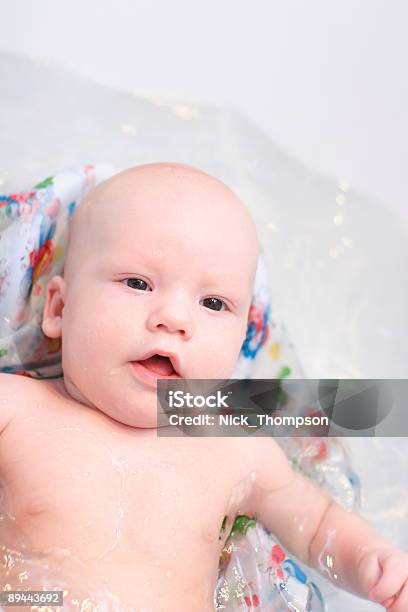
point(322, 534)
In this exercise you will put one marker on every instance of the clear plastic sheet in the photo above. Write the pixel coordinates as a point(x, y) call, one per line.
point(337, 260)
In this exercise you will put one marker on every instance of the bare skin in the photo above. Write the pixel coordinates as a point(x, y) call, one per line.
point(142, 513)
point(82, 467)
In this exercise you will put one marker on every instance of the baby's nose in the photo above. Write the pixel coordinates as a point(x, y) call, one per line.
point(172, 317)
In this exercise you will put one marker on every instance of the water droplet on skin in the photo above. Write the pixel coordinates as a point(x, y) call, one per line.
point(23, 576)
point(325, 560)
point(300, 523)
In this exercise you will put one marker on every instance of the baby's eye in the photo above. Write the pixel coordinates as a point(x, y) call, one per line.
point(136, 283)
point(214, 303)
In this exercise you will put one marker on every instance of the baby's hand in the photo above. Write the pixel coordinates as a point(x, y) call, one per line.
point(383, 575)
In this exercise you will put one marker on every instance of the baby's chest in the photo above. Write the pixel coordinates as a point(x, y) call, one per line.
point(75, 488)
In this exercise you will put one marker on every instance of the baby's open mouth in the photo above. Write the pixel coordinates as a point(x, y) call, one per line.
point(159, 364)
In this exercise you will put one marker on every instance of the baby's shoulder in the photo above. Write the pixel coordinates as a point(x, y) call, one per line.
point(17, 393)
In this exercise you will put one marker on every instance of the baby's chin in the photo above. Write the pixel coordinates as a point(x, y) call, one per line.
point(136, 408)
point(140, 413)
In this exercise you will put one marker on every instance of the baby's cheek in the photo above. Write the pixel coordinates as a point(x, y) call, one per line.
point(220, 355)
point(87, 336)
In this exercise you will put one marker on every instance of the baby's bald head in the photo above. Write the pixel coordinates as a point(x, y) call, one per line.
point(164, 193)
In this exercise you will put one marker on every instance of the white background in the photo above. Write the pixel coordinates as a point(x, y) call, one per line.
point(327, 80)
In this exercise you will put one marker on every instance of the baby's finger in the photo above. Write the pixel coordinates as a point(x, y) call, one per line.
point(393, 577)
point(388, 602)
point(401, 605)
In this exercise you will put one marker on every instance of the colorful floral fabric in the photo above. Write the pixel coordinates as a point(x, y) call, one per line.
point(34, 228)
point(255, 573)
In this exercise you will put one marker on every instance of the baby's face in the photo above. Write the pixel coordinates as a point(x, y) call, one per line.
point(163, 261)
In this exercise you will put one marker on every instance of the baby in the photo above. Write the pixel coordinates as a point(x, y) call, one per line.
point(157, 283)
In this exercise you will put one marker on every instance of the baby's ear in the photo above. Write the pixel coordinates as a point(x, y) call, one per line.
point(54, 305)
